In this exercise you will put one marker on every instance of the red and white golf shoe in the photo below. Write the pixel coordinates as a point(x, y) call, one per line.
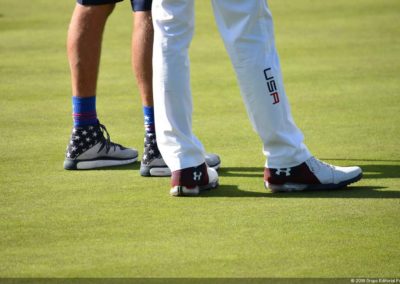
point(190, 181)
point(312, 174)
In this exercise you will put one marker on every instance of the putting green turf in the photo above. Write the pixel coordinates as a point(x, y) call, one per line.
point(341, 62)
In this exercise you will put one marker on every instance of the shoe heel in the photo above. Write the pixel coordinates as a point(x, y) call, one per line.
point(180, 190)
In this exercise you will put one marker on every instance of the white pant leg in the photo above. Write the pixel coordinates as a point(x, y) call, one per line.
point(247, 30)
point(173, 31)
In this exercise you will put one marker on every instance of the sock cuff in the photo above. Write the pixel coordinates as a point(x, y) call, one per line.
point(84, 111)
point(148, 113)
point(81, 105)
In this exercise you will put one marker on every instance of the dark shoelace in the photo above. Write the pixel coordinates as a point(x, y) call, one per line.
point(107, 142)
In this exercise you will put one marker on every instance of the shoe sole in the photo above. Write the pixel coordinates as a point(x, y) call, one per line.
point(95, 164)
point(155, 171)
point(146, 171)
point(289, 187)
point(184, 191)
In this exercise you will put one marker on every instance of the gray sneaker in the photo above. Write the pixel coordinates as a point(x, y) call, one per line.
point(89, 149)
point(153, 164)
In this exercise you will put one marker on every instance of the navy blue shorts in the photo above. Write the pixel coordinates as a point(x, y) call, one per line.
point(137, 5)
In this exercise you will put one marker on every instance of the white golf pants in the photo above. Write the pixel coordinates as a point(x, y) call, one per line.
point(247, 31)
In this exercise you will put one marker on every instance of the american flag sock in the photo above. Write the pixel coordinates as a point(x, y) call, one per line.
point(149, 124)
point(84, 111)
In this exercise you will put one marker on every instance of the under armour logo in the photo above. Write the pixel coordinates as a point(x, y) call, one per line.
point(286, 171)
point(197, 175)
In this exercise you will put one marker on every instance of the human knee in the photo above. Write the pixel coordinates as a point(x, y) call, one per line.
point(89, 10)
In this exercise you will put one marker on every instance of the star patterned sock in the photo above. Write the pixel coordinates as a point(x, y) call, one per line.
point(149, 125)
point(84, 111)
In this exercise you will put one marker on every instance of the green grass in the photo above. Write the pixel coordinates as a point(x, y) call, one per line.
point(341, 62)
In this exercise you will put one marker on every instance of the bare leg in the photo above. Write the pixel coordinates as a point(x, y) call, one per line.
point(88, 147)
point(84, 47)
point(142, 53)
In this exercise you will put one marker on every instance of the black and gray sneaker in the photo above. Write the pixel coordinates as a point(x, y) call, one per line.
point(153, 164)
point(90, 149)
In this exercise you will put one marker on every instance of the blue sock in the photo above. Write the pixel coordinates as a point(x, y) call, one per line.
point(149, 124)
point(84, 111)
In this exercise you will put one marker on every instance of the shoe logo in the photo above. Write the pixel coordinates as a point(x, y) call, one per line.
point(281, 171)
point(197, 176)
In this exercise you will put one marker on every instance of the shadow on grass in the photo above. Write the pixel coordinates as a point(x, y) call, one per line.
point(129, 167)
point(369, 171)
point(372, 171)
point(356, 192)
